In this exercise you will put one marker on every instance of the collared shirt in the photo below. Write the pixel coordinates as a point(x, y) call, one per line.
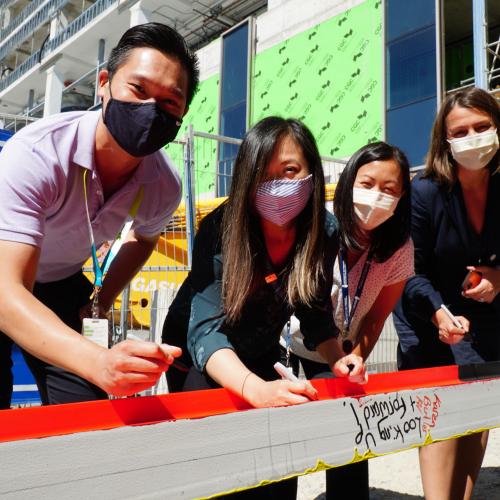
point(41, 193)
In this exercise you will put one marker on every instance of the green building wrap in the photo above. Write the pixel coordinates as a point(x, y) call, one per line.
point(203, 115)
point(329, 76)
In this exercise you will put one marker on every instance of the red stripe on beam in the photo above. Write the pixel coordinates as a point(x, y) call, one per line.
point(56, 420)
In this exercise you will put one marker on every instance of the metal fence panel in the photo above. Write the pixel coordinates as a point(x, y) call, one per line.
point(153, 289)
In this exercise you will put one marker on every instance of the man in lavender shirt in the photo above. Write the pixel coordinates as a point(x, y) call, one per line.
point(44, 233)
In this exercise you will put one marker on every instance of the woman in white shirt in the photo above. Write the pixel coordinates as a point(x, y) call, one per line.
point(372, 204)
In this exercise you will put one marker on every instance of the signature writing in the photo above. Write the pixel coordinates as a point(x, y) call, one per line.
point(428, 408)
point(393, 417)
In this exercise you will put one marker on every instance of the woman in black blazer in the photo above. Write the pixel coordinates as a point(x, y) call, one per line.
point(455, 230)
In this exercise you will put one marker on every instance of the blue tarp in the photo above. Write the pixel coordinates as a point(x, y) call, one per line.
point(4, 136)
point(25, 390)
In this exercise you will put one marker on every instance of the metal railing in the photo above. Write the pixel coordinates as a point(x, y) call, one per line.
point(36, 109)
point(5, 3)
point(143, 305)
point(22, 16)
point(26, 30)
point(23, 68)
point(88, 80)
point(494, 68)
point(492, 71)
point(74, 27)
point(14, 122)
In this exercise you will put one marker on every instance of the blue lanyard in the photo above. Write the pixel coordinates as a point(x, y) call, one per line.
point(99, 269)
point(349, 315)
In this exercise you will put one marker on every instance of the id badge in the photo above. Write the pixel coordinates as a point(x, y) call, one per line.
point(96, 329)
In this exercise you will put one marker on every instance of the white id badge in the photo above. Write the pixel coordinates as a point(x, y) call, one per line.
point(96, 329)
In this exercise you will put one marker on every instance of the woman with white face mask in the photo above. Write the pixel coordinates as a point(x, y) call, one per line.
point(260, 256)
point(455, 229)
point(375, 258)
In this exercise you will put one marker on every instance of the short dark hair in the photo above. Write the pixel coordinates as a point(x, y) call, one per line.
point(395, 231)
point(160, 37)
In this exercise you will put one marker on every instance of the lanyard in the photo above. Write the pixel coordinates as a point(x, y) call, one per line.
point(99, 269)
point(348, 315)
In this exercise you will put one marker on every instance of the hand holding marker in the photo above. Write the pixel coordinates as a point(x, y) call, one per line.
point(453, 318)
point(285, 373)
point(357, 379)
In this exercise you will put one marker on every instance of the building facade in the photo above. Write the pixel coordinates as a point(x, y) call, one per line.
point(354, 70)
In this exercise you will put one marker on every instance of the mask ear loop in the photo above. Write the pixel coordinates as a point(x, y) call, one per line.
point(110, 97)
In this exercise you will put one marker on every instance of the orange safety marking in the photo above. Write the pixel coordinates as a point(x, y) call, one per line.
point(55, 420)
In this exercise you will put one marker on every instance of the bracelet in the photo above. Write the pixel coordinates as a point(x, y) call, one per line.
point(244, 382)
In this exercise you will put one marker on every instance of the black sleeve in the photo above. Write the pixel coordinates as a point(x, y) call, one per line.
point(425, 300)
point(316, 320)
point(206, 317)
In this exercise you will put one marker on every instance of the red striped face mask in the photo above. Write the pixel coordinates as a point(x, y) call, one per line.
point(281, 200)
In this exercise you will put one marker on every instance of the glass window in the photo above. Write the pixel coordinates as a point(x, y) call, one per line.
point(233, 106)
point(409, 128)
point(411, 67)
point(405, 16)
point(411, 81)
point(458, 53)
point(234, 67)
point(459, 65)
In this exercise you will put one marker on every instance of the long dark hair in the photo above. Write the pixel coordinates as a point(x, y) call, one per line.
point(440, 165)
point(240, 240)
point(395, 231)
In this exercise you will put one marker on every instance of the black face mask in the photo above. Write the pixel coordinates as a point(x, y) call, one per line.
point(140, 128)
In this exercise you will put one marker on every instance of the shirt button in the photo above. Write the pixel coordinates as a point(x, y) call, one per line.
point(99, 192)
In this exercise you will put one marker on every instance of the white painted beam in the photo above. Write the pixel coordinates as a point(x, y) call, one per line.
point(202, 457)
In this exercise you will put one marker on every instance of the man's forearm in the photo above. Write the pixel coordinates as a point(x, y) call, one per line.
point(39, 331)
point(127, 368)
point(30, 323)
